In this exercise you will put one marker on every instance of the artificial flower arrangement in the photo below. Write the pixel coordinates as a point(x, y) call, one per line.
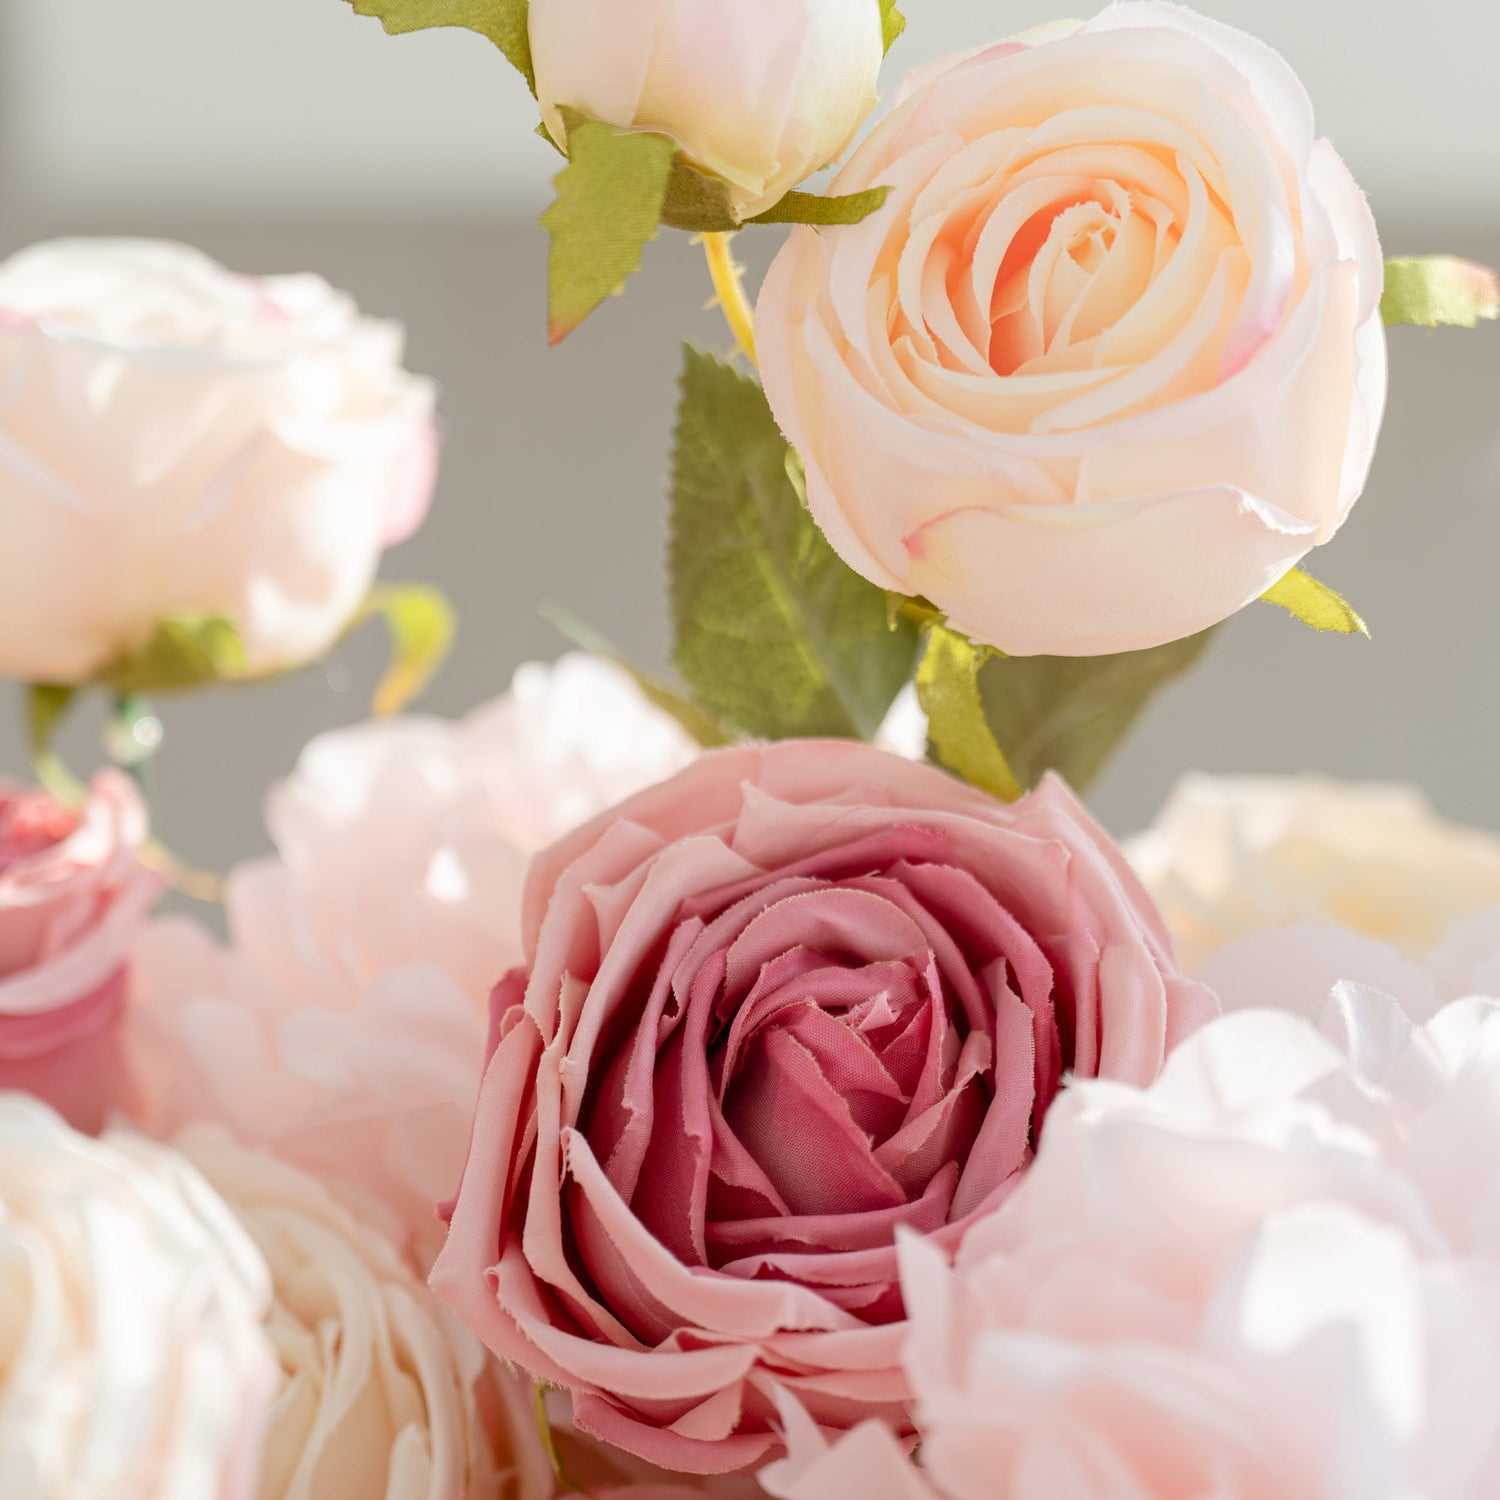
point(772, 1082)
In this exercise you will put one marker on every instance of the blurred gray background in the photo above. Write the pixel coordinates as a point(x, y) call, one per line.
point(289, 134)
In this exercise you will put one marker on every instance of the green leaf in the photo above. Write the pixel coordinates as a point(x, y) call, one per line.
point(948, 689)
point(892, 22)
point(504, 22)
point(1432, 291)
point(186, 652)
point(692, 716)
point(47, 705)
point(772, 632)
point(422, 626)
point(814, 208)
point(609, 200)
point(697, 201)
point(1068, 713)
point(1315, 604)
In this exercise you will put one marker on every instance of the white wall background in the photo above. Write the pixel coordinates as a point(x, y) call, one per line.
point(302, 102)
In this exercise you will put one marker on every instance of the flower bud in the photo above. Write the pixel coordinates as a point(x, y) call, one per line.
point(759, 94)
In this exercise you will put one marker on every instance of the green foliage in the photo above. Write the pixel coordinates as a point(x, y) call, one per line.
point(422, 626)
point(700, 203)
point(959, 733)
point(609, 200)
point(892, 22)
point(1433, 291)
point(1315, 604)
point(504, 22)
point(47, 705)
point(814, 208)
point(186, 652)
point(772, 632)
point(1069, 713)
point(697, 202)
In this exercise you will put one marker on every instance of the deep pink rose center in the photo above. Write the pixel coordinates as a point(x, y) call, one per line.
point(816, 1058)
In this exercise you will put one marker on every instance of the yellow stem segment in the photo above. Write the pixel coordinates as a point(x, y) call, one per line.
point(730, 288)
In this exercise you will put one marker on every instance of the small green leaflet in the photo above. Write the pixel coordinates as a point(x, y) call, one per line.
point(813, 208)
point(1315, 604)
point(1069, 713)
point(948, 689)
point(186, 652)
point(609, 201)
point(1434, 291)
point(772, 632)
point(892, 22)
point(699, 203)
point(504, 22)
point(47, 705)
point(422, 627)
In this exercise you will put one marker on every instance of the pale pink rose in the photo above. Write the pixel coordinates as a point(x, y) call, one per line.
point(1306, 965)
point(372, 1096)
point(381, 1392)
point(406, 841)
point(778, 1008)
point(132, 1364)
point(1109, 360)
point(180, 440)
point(343, 1027)
point(761, 95)
point(1233, 855)
point(1273, 1276)
point(74, 895)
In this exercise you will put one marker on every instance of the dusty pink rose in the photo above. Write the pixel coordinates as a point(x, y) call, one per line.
point(73, 897)
point(1273, 1276)
point(778, 1008)
point(1109, 360)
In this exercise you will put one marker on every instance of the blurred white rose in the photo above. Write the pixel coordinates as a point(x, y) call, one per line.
point(382, 1393)
point(760, 93)
point(179, 440)
point(1229, 856)
point(132, 1363)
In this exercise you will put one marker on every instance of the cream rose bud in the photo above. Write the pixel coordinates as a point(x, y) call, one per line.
point(761, 93)
point(132, 1363)
point(176, 439)
point(1109, 360)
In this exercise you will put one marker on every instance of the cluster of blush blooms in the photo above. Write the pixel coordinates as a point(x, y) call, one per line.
point(572, 1111)
point(829, 1111)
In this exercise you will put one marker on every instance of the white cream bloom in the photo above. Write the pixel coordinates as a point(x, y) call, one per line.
point(382, 1394)
point(1230, 856)
point(179, 440)
point(132, 1364)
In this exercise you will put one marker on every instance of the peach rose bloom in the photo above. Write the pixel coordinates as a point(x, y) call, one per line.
point(1109, 361)
point(1275, 1275)
point(182, 440)
point(74, 897)
point(778, 1010)
point(132, 1363)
